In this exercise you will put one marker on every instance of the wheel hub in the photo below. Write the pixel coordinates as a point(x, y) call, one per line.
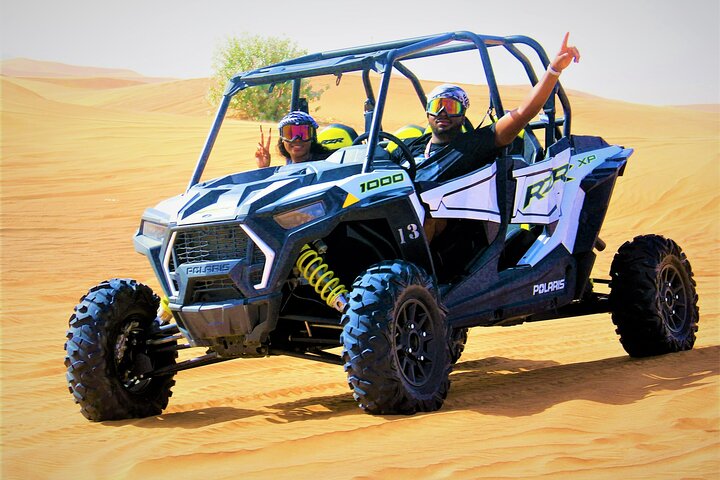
point(669, 297)
point(413, 342)
point(128, 361)
point(673, 298)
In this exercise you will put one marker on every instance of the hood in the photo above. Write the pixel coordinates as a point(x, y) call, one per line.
point(236, 196)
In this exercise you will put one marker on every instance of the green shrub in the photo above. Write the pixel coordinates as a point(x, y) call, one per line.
point(248, 53)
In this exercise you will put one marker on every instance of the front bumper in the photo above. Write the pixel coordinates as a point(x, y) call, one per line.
point(232, 328)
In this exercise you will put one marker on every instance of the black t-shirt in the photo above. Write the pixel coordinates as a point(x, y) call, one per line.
point(469, 151)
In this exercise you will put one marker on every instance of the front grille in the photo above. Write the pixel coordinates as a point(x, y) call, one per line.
point(214, 290)
point(211, 243)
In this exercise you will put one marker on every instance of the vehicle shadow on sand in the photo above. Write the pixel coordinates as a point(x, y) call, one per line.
point(191, 419)
point(315, 408)
point(500, 386)
point(515, 388)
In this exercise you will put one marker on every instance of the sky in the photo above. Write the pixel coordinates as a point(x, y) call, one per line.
point(659, 52)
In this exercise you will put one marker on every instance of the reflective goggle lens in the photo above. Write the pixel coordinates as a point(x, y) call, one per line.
point(297, 132)
point(452, 107)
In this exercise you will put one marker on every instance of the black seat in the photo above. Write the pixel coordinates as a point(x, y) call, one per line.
point(527, 145)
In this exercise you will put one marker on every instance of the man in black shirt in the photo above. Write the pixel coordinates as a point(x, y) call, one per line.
point(446, 107)
point(448, 152)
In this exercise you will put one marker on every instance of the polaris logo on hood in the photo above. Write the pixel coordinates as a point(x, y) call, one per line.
point(552, 286)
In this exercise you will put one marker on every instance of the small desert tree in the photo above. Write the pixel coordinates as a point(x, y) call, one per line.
point(247, 53)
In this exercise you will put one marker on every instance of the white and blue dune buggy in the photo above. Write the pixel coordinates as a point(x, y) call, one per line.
point(255, 263)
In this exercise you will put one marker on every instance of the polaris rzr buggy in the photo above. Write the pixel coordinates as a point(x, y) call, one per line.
point(255, 263)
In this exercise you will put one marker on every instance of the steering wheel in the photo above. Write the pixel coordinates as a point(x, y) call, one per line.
point(407, 154)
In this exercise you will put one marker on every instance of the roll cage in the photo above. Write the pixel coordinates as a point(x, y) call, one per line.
point(383, 58)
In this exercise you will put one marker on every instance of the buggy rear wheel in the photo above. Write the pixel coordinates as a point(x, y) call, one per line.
point(652, 297)
point(458, 339)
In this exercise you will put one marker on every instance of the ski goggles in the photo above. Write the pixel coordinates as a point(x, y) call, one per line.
point(452, 107)
point(304, 133)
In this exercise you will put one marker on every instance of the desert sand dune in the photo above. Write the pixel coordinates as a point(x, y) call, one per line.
point(82, 159)
point(26, 67)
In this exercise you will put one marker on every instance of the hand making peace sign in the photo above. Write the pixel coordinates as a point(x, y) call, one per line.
point(262, 155)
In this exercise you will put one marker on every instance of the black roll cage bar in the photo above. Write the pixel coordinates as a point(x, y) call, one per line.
point(383, 58)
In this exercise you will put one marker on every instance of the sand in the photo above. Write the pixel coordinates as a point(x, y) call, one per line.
point(84, 152)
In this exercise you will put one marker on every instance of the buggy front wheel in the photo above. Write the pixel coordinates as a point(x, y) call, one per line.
point(396, 345)
point(110, 353)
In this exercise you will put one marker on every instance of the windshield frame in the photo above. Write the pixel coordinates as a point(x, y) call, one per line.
point(384, 58)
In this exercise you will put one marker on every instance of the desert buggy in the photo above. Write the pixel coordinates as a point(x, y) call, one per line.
point(255, 263)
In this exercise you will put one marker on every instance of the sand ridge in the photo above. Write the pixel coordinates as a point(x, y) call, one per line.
point(82, 158)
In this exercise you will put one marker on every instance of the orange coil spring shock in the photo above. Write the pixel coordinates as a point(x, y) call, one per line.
point(319, 276)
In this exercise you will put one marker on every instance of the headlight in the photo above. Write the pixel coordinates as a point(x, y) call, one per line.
point(300, 216)
point(153, 230)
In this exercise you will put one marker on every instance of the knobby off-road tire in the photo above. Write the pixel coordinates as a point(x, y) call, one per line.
point(458, 339)
point(396, 345)
point(652, 297)
point(107, 353)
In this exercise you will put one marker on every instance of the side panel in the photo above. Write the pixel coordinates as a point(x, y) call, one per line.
point(485, 299)
point(550, 192)
point(540, 189)
point(566, 197)
point(472, 196)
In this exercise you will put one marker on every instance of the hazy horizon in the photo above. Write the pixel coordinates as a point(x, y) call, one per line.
point(643, 51)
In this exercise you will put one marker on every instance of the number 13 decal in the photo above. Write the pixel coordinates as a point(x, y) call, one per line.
point(412, 233)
